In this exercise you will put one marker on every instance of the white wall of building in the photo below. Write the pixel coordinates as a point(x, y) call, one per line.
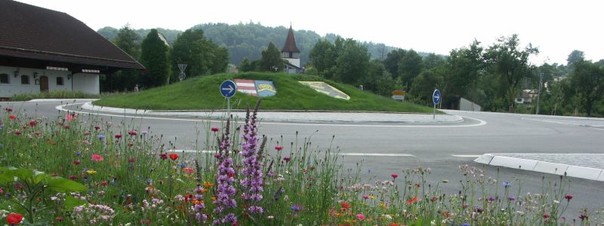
point(84, 82)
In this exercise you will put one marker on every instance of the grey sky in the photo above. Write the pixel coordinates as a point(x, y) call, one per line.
point(555, 27)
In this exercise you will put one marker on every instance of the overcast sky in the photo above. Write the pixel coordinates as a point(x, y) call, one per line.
point(556, 27)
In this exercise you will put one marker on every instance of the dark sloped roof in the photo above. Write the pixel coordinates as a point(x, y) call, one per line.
point(290, 42)
point(36, 33)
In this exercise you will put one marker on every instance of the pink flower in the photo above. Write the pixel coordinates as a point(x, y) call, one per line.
point(33, 123)
point(394, 176)
point(118, 136)
point(568, 197)
point(278, 147)
point(132, 133)
point(214, 129)
point(96, 158)
point(70, 117)
point(360, 216)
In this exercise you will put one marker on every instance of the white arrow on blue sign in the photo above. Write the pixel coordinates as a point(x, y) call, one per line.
point(228, 88)
point(436, 96)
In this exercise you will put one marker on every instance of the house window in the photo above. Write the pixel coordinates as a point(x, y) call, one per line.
point(4, 79)
point(24, 80)
point(59, 81)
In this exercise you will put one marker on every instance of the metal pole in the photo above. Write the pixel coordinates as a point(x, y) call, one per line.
point(434, 113)
point(539, 93)
point(228, 107)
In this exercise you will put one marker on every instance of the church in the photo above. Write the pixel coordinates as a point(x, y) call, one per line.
point(291, 54)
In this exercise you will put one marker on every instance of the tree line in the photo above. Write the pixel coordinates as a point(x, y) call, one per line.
point(160, 58)
point(494, 77)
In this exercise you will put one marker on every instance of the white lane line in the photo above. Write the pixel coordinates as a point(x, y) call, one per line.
point(376, 154)
point(466, 156)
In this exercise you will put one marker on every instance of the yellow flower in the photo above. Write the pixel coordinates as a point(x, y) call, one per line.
point(91, 172)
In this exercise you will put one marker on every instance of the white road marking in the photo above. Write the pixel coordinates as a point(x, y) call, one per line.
point(142, 116)
point(466, 156)
point(376, 154)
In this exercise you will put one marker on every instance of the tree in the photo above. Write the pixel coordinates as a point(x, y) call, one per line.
point(409, 67)
point(271, 59)
point(128, 41)
point(378, 79)
point(392, 61)
point(510, 65)
point(588, 82)
point(352, 62)
point(323, 58)
point(464, 68)
point(201, 55)
point(154, 56)
point(423, 86)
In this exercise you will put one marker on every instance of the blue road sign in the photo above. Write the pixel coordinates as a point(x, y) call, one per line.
point(436, 96)
point(228, 88)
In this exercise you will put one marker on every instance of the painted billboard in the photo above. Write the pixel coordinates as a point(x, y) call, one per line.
point(326, 89)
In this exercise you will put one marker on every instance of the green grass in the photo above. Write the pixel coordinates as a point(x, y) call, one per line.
point(56, 94)
point(203, 93)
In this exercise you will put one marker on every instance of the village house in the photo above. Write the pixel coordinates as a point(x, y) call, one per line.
point(43, 50)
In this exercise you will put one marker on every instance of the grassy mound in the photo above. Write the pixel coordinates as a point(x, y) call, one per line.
point(203, 93)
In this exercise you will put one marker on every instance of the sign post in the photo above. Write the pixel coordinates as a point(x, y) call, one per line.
point(182, 75)
point(228, 88)
point(436, 100)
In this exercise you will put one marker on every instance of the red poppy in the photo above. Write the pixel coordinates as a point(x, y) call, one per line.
point(214, 129)
point(132, 133)
point(14, 218)
point(278, 147)
point(394, 175)
point(12, 117)
point(173, 156)
point(118, 136)
point(345, 205)
point(188, 170)
point(412, 200)
point(97, 158)
point(33, 123)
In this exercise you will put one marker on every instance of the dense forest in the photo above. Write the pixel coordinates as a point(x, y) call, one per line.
point(498, 77)
point(248, 40)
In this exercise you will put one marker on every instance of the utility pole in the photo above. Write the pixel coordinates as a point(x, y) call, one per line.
point(539, 93)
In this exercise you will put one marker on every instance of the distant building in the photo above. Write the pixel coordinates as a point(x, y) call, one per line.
point(44, 50)
point(291, 54)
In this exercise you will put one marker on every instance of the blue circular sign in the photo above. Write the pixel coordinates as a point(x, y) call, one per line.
point(436, 96)
point(228, 88)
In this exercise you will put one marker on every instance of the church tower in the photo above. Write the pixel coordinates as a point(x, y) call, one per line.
point(291, 53)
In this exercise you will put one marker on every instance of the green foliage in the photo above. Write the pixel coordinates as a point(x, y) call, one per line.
point(201, 55)
point(271, 59)
point(510, 65)
point(154, 56)
point(588, 83)
point(352, 62)
point(128, 41)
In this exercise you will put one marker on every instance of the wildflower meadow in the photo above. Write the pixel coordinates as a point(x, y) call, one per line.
point(77, 169)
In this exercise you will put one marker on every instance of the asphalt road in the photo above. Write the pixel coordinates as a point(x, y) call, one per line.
point(380, 149)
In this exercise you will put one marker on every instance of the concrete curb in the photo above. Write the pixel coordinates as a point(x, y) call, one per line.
point(542, 166)
point(296, 117)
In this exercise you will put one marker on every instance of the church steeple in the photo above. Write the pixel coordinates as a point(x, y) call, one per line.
point(290, 43)
point(291, 53)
